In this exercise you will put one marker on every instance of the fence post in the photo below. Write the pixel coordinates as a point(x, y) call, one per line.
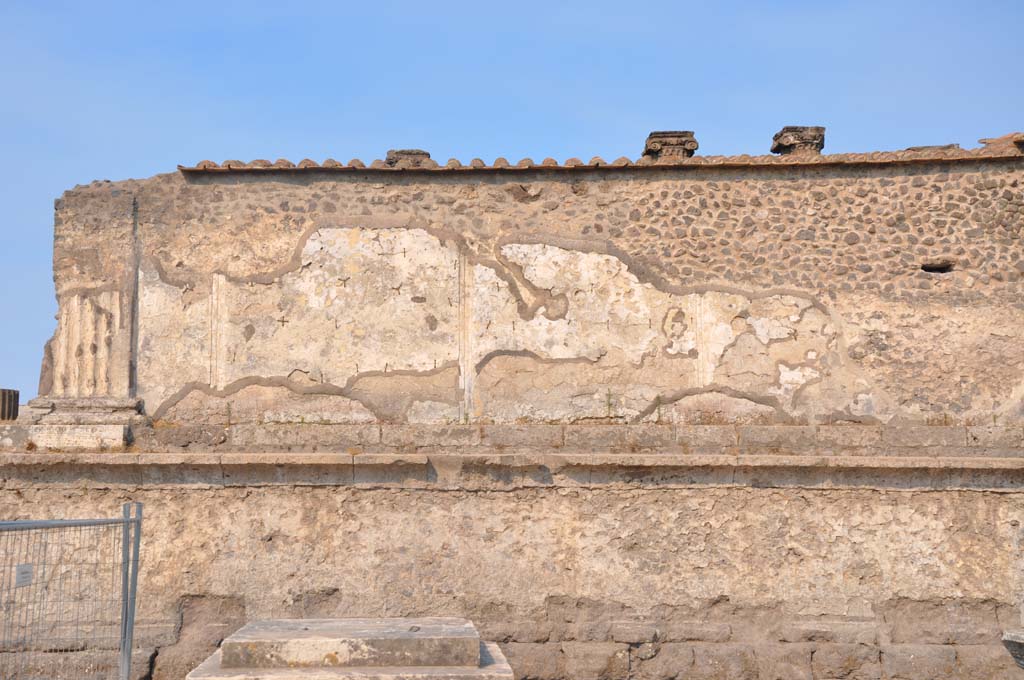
point(131, 539)
point(125, 664)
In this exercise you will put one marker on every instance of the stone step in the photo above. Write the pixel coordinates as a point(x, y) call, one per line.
point(492, 666)
point(291, 643)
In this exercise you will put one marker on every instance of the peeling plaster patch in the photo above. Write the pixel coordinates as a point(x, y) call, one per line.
point(386, 317)
point(792, 379)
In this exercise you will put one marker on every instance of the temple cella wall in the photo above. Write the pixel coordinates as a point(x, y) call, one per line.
point(722, 417)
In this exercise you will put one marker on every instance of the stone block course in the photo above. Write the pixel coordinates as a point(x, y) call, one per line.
point(784, 662)
point(994, 436)
point(961, 622)
point(846, 661)
point(913, 436)
point(535, 436)
point(788, 437)
point(698, 437)
point(694, 631)
point(841, 436)
point(595, 660)
point(849, 632)
point(723, 661)
point(911, 662)
point(309, 643)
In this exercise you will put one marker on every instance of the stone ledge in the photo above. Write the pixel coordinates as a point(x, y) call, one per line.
point(387, 438)
point(851, 439)
point(517, 470)
point(527, 458)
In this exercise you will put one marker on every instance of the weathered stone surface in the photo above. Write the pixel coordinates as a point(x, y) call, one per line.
point(493, 666)
point(855, 662)
point(202, 622)
point(691, 417)
point(80, 436)
point(304, 643)
point(910, 662)
point(595, 660)
point(667, 145)
point(985, 662)
point(663, 297)
point(799, 139)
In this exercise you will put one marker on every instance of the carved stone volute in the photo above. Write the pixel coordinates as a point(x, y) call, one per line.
point(799, 139)
point(669, 145)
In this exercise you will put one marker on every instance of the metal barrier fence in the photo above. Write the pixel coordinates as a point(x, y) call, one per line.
point(67, 597)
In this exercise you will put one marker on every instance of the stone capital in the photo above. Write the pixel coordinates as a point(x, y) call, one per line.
point(798, 139)
point(667, 145)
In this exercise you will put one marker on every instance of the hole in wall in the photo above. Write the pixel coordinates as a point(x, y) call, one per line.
point(937, 267)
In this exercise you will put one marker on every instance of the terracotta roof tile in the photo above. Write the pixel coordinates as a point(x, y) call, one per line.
point(1007, 147)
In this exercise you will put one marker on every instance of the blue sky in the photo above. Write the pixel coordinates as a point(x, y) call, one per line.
point(110, 91)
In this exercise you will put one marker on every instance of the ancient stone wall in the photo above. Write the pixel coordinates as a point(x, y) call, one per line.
point(803, 292)
point(655, 567)
point(691, 416)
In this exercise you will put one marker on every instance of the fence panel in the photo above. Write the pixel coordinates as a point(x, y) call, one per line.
point(67, 597)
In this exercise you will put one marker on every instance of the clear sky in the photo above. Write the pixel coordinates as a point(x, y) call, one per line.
point(107, 90)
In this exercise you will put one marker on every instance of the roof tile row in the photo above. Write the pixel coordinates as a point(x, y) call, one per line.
point(1008, 146)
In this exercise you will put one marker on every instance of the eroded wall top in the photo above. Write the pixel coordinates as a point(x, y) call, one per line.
point(797, 288)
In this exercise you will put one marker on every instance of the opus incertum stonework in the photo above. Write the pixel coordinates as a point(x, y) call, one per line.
point(677, 417)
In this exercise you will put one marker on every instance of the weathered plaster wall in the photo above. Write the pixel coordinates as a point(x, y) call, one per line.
point(704, 420)
point(796, 292)
point(653, 575)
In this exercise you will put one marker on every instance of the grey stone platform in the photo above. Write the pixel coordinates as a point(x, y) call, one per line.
point(364, 649)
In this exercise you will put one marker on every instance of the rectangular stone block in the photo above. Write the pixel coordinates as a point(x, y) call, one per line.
point(855, 436)
point(595, 660)
point(918, 662)
point(418, 436)
point(852, 632)
point(943, 623)
point(778, 436)
point(308, 643)
point(650, 436)
point(995, 436)
point(711, 662)
point(303, 436)
point(699, 436)
point(633, 632)
point(924, 435)
point(784, 662)
point(71, 437)
point(985, 662)
point(695, 631)
point(595, 437)
point(670, 661)
point(851, 662)
point(535, 435)
point(13, 437)
point(493, 666)
point(538, 660)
